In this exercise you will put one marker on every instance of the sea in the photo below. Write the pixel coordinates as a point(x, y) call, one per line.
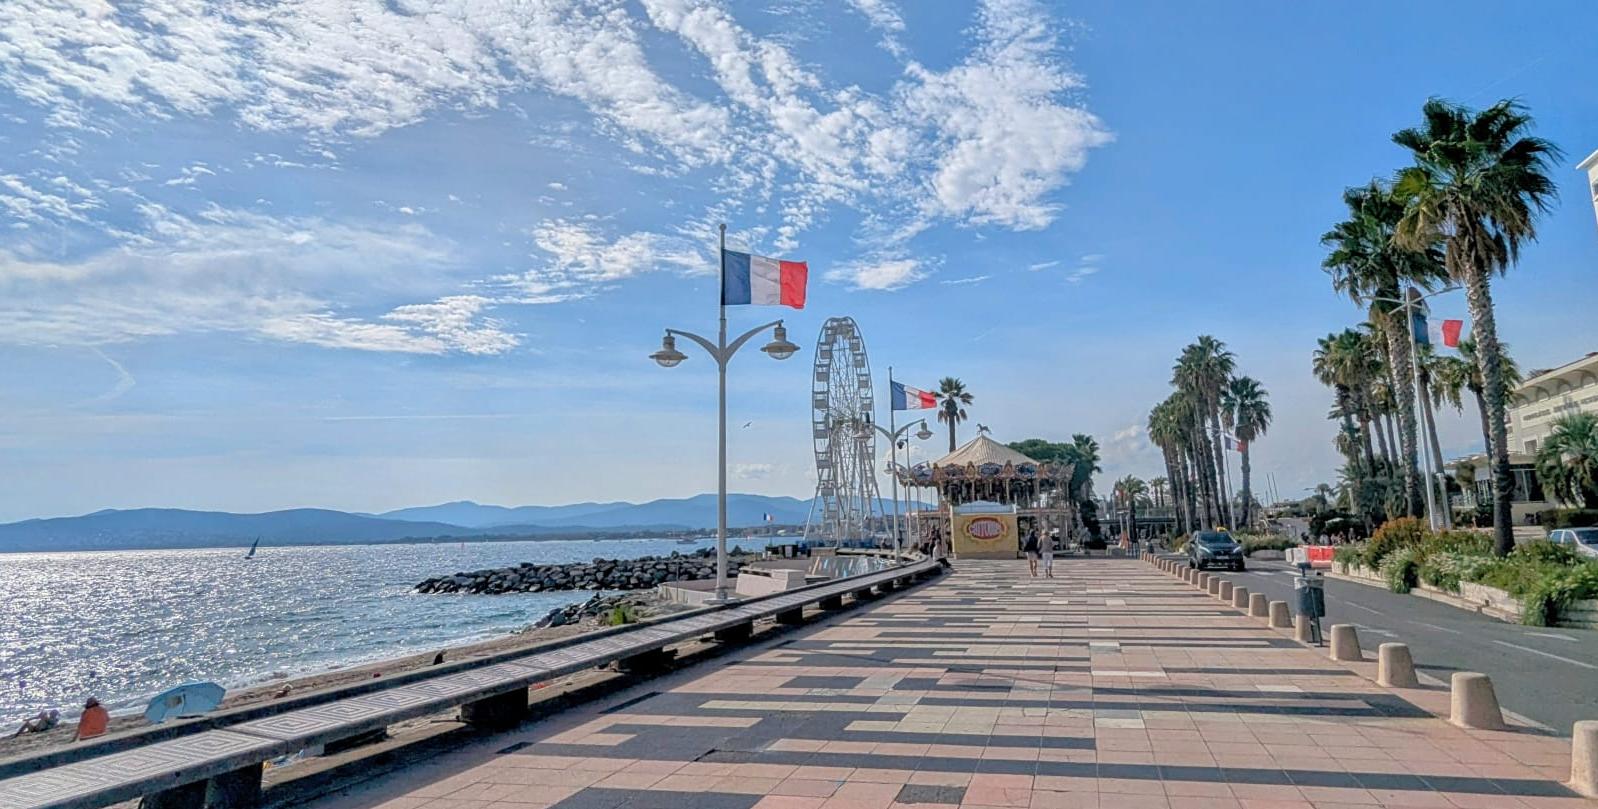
point(123, 626)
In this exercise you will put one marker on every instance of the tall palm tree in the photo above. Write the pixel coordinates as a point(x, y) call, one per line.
point(953, 399)
point(1248, 410)
point(1128, 490)
point(1478, 184)
point(1567, 462)
point(1083, 454)
point(1369, 266)
point(1427, 357)
point(1159, 489)
point(1166, 430)
point(1202, 370)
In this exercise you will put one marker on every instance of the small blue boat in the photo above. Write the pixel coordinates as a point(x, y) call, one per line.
point(188, 699)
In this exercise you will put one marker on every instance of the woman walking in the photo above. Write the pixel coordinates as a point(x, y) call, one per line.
point(1030, 548)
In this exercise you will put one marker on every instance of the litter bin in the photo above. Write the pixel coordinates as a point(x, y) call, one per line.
point(1309, 599)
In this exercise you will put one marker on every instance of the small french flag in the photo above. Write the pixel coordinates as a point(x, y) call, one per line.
point(1445, 332)
point(750, 279)
point(904, 397)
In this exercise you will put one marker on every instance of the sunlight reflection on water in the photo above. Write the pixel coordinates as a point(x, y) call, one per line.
point(125, 625)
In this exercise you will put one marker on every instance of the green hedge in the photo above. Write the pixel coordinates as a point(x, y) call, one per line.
point(1570, 518)
point(1265, 542)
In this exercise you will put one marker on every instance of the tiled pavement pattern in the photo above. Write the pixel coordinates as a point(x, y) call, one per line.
point(1110, 686)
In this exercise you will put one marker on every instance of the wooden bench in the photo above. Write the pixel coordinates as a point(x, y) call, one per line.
point(217, 760)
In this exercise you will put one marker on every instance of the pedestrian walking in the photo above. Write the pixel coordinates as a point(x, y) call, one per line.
point(1047, 552)
point(1030, 548)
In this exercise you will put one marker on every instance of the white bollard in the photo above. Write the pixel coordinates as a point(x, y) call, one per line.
point(1345, 643)
point(1215, 585)
point(1258, 606)
point(1473, 703)
point(1394, 666)
point(1302, 629)
point(1280, 617)
point(1240, 598)
point(1584, 758)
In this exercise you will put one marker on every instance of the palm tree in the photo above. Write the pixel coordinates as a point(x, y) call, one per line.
point(1478, 184)
point(1248, 411)
point(1083, 454)
point(1426, 363)
point(1567, 462)
point(1369, 266)
point(1166, 430)
point(1128, 490)
point(1202, 370)
point(953, 398)
point(1158, 489)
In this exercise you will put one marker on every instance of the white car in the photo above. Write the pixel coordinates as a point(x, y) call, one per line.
point(1583, 540)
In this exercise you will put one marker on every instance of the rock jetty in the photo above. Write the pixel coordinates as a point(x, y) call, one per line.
point(600, 574)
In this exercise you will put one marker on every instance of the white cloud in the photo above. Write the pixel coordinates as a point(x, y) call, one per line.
point(191, 175)
point(886, 274)
point(974, 279)
point(1077, 275)
point(234, 271)
point(753, 471)
point(1043, 265)
point(557, 186)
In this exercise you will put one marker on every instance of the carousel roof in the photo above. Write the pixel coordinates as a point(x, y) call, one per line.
point(983, 450)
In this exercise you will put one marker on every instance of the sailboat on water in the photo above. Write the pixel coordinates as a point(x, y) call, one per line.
point(253, 546)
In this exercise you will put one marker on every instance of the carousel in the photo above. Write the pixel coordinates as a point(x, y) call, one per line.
point(989, 497)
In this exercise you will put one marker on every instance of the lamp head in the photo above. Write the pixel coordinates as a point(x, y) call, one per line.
point(779, 348)
point(923, 433)
point(668, 356)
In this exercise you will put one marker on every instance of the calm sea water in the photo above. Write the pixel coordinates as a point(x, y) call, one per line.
point(123, 626)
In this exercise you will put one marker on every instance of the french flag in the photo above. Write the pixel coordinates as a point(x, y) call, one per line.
point(904, 397)
point(750, 279)
point(1445, 333)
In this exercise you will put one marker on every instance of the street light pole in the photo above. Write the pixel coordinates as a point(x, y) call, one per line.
point(722, 352)
point(893, 437)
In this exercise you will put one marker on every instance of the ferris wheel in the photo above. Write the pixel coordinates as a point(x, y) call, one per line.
point(841, 407)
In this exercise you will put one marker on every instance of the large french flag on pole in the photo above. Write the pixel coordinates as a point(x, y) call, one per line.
point(747, 279)
point(904, 397)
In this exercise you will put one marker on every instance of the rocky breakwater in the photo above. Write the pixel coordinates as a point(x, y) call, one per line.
point(599, 574)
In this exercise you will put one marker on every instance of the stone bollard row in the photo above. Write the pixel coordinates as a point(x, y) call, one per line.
point(1584, 758)
point(1240, 598)
point(1302, 631)
point(1226, 591)
point(1215, 585)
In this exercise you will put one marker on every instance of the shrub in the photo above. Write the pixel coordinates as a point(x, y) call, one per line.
point(1403, 532)
point(1401, 568)
point(1469, 543)
point(1179, 544)
point(1445, 570)
point(1350, 555)
point(621, 614)
point(1541, 551)
point(1570, 517)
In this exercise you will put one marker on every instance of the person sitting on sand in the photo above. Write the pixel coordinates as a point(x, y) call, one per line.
point(93, 722)
point(39, 724)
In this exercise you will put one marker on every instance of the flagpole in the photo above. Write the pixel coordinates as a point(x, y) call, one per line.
point(1418, 414)
point(721, 426)
point(893, 460)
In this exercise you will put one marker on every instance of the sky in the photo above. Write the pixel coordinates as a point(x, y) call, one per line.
point(368, 254)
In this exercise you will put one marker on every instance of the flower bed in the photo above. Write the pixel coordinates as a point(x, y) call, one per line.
point(1540, 584)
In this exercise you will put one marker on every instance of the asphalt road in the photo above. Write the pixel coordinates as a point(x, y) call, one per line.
point(1549, 675)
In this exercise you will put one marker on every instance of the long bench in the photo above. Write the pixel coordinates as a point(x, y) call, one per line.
point(217, 760)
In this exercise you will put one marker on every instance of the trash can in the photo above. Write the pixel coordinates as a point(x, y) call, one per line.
point(1309, 595)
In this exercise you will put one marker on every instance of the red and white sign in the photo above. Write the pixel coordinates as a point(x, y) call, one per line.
point(985, 528)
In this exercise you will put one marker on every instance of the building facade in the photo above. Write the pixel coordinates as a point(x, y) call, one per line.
point(1590, 165)
point(1546, 396)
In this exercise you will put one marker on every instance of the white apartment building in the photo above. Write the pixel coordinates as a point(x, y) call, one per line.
point(1590, 165)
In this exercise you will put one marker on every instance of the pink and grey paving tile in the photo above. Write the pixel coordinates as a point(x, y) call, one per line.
point(1111, 686)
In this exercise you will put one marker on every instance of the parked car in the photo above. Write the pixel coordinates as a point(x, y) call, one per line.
point(1208, 548)
point(1584, 541)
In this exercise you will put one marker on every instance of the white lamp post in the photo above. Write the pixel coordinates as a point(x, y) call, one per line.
point(721, 351)
point(895, 441)
point(1435, 477)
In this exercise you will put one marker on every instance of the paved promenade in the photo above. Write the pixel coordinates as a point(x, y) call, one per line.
point(1110, 686)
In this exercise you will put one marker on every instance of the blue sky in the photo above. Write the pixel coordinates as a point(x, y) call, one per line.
point(366, 255)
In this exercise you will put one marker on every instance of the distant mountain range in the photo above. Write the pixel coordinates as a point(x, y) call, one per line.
point(179, 528)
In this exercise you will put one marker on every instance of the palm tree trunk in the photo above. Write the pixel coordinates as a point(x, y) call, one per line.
point(1220, 469)
point(1489, 358)
point(1404, 390)
point(1206, 469)
point(1248, 497)
point(1486, 426)
point(1365, 435)
point(951, 433)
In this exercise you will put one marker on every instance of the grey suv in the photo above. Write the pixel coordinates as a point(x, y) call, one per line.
point(1214, 548)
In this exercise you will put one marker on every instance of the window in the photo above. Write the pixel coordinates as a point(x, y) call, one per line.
point(1531, 447)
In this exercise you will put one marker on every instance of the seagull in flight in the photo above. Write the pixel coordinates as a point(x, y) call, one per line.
point(746, 424)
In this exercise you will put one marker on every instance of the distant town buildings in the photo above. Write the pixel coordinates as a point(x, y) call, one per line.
point(1540, 401)
point(1590, 165)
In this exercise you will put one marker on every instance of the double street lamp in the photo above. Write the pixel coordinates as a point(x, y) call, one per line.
point(1412, 302)
point(722, 351)
point(895, 440)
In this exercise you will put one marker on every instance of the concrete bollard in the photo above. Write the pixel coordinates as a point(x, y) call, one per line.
point(1345, 643)
point(1215, 585)
point(1584, 758)
point(1394, 666)
point(1203, 580)
point(1240, 597)
point(1258, 606)
point(1280, 617)
point(1472, 702)
point(1226, 591)
point(1302, 631)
